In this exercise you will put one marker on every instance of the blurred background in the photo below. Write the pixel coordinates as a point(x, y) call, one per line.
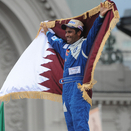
point(19, 23)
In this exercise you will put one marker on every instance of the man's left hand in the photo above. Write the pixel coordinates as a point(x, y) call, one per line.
point(104, 10)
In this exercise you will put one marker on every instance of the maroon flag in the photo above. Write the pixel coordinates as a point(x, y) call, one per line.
point(39, 78)
point(110, 20)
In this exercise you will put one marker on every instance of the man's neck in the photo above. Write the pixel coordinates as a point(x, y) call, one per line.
point(78, 41)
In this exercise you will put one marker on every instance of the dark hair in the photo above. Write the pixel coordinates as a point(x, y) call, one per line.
point(77, 30)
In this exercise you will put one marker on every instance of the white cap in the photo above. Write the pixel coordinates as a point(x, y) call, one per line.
point(73, 24)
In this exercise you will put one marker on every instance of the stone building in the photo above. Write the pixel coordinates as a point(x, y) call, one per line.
point(19, 23)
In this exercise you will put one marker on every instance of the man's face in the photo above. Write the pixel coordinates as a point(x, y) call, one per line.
point(71, 35)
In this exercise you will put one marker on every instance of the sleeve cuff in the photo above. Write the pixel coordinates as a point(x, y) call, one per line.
point(101, 16)
point(47, 33)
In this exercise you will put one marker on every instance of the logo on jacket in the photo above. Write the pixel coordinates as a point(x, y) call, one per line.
point(75, 49)
point(54, 38)
point(67, 52)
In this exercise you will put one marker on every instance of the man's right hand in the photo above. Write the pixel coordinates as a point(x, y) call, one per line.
point(45, 29)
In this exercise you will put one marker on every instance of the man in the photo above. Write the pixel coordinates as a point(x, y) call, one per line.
point(75, 51)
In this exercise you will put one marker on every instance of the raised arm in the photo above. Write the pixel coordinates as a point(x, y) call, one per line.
point(95, 28)
point(57, 43)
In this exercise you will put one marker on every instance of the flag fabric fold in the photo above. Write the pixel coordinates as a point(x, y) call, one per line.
point(37, 72)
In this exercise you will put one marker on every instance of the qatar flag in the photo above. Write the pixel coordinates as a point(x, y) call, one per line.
point(37, 72)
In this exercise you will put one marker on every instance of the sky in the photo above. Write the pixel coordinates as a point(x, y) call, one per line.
point(122, 5)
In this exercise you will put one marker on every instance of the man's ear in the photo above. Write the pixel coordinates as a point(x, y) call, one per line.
point(79, 33)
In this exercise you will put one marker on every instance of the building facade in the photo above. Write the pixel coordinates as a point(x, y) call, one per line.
point(19, 23)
